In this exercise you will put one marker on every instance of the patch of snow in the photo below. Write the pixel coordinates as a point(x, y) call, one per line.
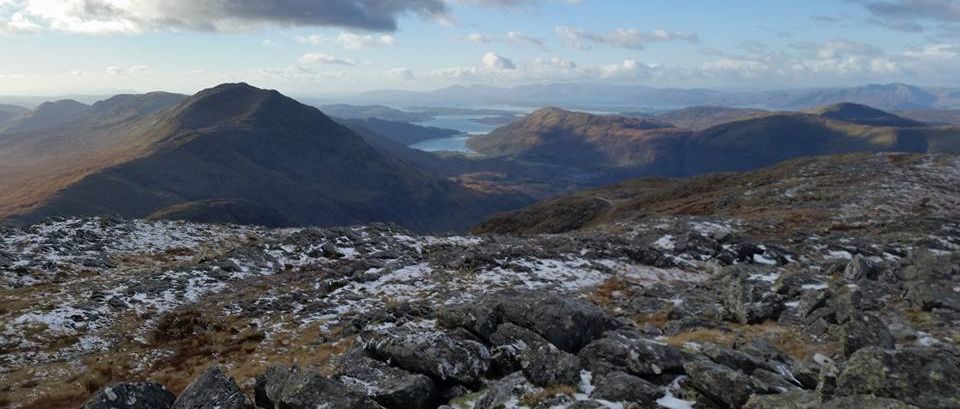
point(665, 242)
point(839, 254)
point(763, 259)
point(769, 277)
point(671, 402)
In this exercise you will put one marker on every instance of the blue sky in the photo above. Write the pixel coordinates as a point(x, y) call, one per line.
point(319, 47)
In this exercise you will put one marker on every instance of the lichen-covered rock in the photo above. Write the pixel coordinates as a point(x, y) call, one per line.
point(924, 377)
point(866, 402)
point(435, 354)
point(146, 395)
point(504, 390)
point(749, 298)
point(567, 323)
point(722, 384)
point(847, 303)
point(546, 365)
point(478, 318)
point(776, 380)
point(212, 390)
point(391, 387)
point(629, 351)
point(623, 387)
point(827, 381)
point(864, 330)
point(926, 266)
point(858, 268)
point(735, 359)
point(813, 305)
point(543, 363)
point(928, 295)
point(293, 388)
point(797, 399)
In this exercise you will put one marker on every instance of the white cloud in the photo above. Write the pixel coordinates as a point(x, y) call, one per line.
point(628, 69)
point(136, 16)
point(351, 41)
point(518, 37)
point(630, 38)
point(479, 38)
point(400, 73)
point(129, 70)
point(494, 61)
point(913, 15)
point(17, 23)
point(934, 52)
point(515, 37)
point(324, 58)
point(546, 70)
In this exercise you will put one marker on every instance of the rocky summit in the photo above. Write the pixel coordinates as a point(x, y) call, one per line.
point(736, 308)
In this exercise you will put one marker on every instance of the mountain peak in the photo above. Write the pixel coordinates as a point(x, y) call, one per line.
point(863, 114)
point(231, 103)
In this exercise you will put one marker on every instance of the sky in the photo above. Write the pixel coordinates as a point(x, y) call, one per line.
point(330, 47)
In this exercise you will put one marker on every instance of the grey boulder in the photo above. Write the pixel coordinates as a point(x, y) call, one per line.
point(730, 387)
point(789, 400)
point(435, 354)
point(146, 395)
point(623, 387)
point(294, 388)
point(388, 386)
point(629, 351)
point(924, 377)
point(212, 390)
point(864, 330)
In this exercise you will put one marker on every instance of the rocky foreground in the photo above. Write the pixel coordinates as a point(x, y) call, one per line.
point(675, 311)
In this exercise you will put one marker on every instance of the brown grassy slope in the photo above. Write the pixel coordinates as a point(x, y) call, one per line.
point(864, 115)
point(242, 144)
point(705, 117)
point(810, 193)
point(635, 147)
point(578, 139)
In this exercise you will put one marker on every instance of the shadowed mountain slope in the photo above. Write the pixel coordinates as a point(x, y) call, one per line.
point(638, 147)
point(262, 153)
point(864, 115)
point(49, 115)
point(9, 113)
point(402, 132)
point(582, 140)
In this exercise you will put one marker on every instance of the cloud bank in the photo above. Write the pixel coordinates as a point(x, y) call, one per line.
point(124, 16)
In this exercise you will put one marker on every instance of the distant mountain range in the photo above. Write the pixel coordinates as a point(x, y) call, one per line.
point(230, 153)
point(402, 132)
point(239, 154)
point(618, 98)
point(644, 146)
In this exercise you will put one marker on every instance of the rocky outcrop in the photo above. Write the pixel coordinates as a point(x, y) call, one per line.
point(730, 387)
point(131, 396)
point(212, 390)
point(923, 377)
point(436, 354)
point(630, 351)
point(389, 386)
point(294, 388)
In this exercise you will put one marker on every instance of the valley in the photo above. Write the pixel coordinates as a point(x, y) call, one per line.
point(193, 250)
